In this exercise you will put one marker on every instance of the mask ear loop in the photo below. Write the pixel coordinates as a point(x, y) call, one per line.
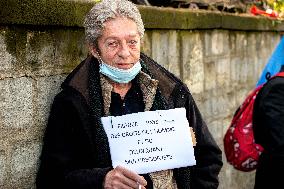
point(99, 57)
point(95, 53)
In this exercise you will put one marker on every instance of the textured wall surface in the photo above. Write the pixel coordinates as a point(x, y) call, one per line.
point(219, 65)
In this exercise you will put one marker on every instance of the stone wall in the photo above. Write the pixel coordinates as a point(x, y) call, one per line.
point(219, 57)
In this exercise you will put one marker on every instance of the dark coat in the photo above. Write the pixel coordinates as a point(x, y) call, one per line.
point(75, 152)
point(268, 121)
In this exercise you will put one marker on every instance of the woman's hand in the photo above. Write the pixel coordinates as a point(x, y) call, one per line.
point(122, 178)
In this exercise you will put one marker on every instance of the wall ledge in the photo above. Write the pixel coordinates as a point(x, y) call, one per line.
point(71, 14)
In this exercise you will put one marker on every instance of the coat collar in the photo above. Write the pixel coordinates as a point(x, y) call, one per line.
point(78, 80)
point(147, 84)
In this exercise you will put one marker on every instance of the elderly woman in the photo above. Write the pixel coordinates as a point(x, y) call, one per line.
point(117, 79)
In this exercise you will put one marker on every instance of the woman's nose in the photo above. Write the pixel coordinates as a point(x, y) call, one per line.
point(124, 51)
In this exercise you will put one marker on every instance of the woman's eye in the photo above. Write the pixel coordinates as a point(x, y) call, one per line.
point(112, 44)
point(133, 42)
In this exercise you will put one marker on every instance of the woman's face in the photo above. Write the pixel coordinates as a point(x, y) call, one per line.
point(119, 45)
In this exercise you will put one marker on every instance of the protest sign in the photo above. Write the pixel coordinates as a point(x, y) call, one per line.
point(150, 141)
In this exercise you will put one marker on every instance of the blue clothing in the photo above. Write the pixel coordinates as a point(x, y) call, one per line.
point(274, 64)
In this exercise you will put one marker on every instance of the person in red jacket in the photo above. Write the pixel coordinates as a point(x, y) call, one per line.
point(117, 79)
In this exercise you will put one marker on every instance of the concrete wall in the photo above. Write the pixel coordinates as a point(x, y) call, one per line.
point(219, 57)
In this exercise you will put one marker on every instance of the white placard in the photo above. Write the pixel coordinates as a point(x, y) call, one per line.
point(150, 141)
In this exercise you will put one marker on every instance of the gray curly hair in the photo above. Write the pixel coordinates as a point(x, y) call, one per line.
point(106, 10)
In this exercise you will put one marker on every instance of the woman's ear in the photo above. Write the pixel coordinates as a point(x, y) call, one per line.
point(93, 51)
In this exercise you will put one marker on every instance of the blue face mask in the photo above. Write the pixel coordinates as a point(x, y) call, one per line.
point(120, 75)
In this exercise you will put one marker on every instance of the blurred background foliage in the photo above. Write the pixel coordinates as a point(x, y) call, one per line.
point(277, 5)
point(232, 6)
